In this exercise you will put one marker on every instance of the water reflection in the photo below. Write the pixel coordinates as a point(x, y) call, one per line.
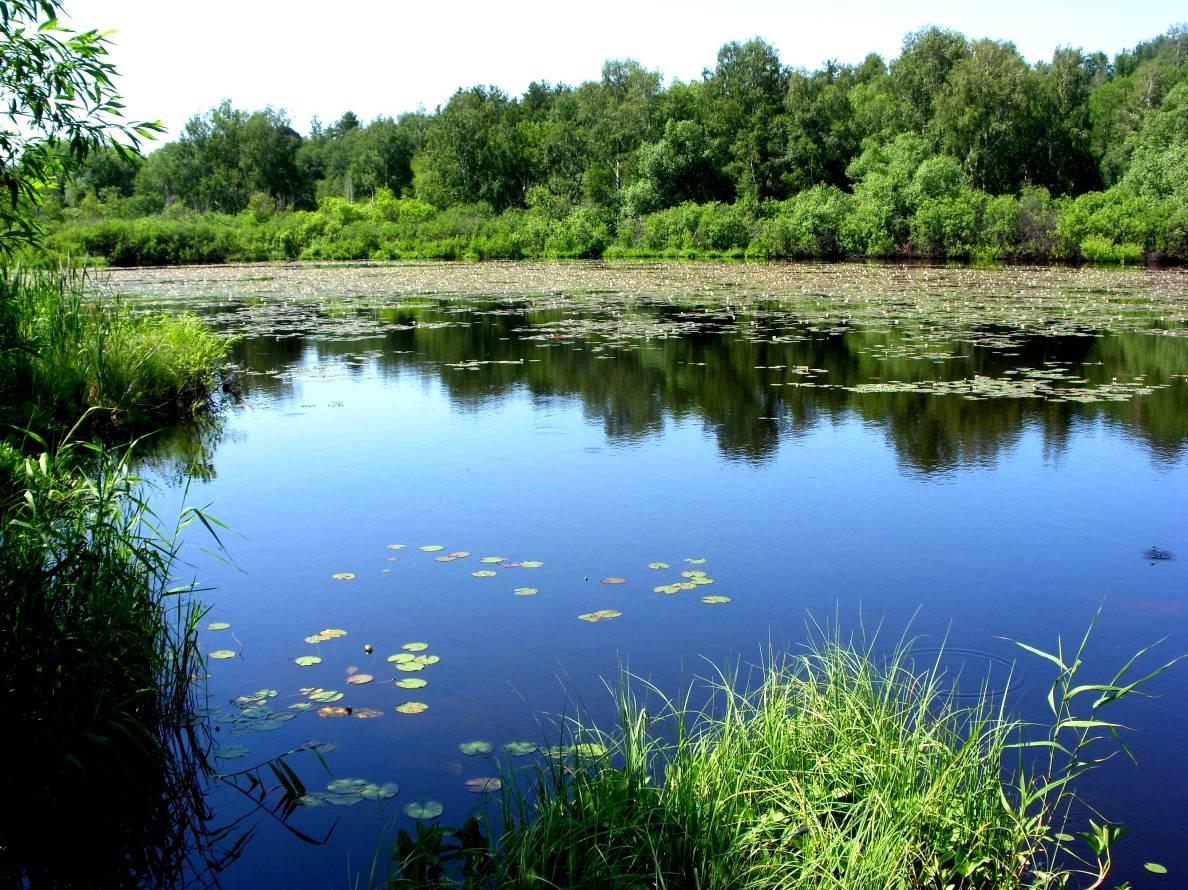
point(750, 392)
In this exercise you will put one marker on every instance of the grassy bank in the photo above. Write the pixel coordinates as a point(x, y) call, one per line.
point(906, 219)
point(63, 354)
point(97, 635)
point(838, 769)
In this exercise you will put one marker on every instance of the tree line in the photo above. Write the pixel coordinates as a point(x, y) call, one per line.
point(877, 158)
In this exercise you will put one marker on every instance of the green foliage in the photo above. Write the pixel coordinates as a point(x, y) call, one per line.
point(58, 106)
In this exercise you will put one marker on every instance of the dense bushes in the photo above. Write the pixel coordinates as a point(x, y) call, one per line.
point(898, 208)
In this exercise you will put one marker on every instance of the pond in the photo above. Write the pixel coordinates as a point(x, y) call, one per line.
point(709, 457)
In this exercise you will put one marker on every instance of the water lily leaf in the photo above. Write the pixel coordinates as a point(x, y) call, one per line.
point(432, 548)
point(346, 786)
point(218, 625)
point(219, 654)
point(410, 666)
point(1155, 868)
point(400, 658)
point(412, 707)
point(320, 747)
point(484, 573)
point(702, 581)
point(423, 809)
point(412, 683)
point(343, 800)
point(334, 711)
point(493, 559)
point(307, 660)
point(427, 659)
point(519, 749)
point(325, 696)
point(685, 585)
point(460, 554)
point(395, 546)
point(531, 564)
point(483, 784)
point(366, 713)
point(343, 576)
point(693, 573)
point(300, 706)
point(315, 638)
point(312, 799)
point(446, 558)
point(359, 679)
point(476, 747)
point(332, 633)
point(695, 561)
point(601, 615)
point(525, 591)
point(230, 752)
point(714, 600)
point(415, 647)
point(658, 565)
point(380, 792)
point(667, 588)
point(614, 579)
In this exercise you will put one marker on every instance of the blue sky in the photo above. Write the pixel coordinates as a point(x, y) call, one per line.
point(178, 58)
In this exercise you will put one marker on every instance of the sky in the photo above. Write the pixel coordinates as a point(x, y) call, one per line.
point(377, 58)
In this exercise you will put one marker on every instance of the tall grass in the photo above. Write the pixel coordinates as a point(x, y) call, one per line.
point(63, 353)
point(837, 768)
point(97, 657)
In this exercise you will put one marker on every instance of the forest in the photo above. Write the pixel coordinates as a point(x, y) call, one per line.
point(958, 148)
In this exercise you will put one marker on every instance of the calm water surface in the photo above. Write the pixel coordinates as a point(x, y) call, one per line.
point(973, 455)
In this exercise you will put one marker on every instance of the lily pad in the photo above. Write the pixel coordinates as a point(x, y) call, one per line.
point(460, 554)
point(483, 784)
point(614, 579)
point(525, 591)
point(446, 558)
point(219, 654)
point(519, 749)
point(667, 588)
point(693, 573)
point(334, 711)
point(492, 559)
point(658, 565)
point(343, 576)
point(432, 548)
point(230, 752)
point(411, 666)
point(218, 625)
point(346, 786)
point(1155, 868)
point(698, 561)
point(332, 633)
point(343, 800)
point(715, 600)
point(359, 679)
point(325, 696)
point(307, 660)
point(476, 747)
point(400, 658)
point(395, 546)
point(300, 706)
point(366, 713)
point(380, 792)
point(600, 615)
point(531, 564)
point(423, 809)
point(412, 707)
point(427, 659)
point(415, 647)
point(484, 573)
point(313, 639)
point(412, 683)
point(312, 799)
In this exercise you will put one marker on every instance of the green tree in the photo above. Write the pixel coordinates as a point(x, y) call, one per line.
point(58, 105)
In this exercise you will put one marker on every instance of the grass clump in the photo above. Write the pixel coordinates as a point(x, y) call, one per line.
point(63, 353)
point(837, 769)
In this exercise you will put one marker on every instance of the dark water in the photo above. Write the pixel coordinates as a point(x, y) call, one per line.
point(962, 455)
